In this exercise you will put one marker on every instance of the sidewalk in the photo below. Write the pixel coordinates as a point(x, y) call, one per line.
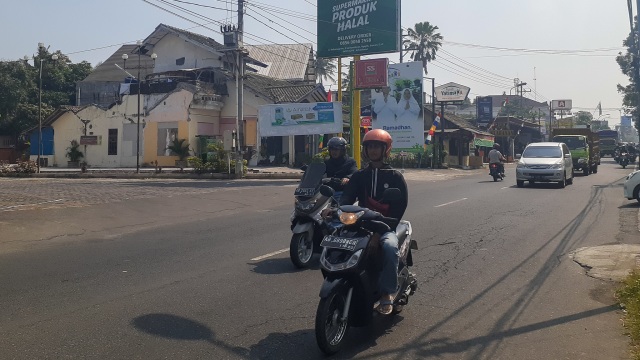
point(266, 172)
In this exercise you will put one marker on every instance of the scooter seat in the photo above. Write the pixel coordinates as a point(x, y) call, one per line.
point(402, 231)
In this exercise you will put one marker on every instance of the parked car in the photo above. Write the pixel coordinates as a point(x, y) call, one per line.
point(632, 186)
point(545, 162)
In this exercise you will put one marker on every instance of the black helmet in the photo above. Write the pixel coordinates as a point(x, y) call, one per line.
point(337, 142)
point(496, 146)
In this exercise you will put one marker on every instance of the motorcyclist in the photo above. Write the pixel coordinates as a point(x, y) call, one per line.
point(339, 165)
point(367, 186)
point(495, 157)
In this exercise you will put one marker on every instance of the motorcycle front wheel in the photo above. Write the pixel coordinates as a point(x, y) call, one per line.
point(301, 249)
point(331, 330)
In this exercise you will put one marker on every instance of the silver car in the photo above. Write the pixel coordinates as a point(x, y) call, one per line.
point(545, 162)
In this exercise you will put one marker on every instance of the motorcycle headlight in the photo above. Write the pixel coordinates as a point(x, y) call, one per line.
point(348, 218)
point(353, 261)
point(306, 205)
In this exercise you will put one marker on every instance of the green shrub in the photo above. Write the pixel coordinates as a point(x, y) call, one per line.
point(629, 298)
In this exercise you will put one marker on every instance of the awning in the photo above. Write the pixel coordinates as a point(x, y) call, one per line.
point(482, 142)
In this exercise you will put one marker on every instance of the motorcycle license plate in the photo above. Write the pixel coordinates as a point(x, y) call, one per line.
point(304, 192)
point(336, 242)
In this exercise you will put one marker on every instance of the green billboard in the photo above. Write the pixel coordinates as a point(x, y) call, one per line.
point(358, 27)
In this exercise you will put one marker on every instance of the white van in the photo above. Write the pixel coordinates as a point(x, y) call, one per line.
point(545, 162)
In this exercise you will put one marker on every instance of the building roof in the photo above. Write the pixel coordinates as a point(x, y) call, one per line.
point(56, 114)
point(460, 122)
point(108, 71)
point(283, 91)
point(497, 100)
point(163, 30)
point(284, 61)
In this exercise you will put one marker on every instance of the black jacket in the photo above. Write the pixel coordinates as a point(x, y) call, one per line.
point(371, 183)
point(340, 168)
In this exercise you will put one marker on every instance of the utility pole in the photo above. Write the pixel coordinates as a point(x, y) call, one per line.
point(636, 43)
point(240, 81)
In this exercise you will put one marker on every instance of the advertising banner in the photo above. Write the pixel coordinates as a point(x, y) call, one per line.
point(560, 105)
point(371, 73)
point(451, 92)
point(300, 119)
point(625, 120)
point(485, 110)
point(397, 108)
point(358, 27)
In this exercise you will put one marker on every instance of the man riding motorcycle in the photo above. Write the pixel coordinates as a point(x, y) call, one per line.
point(495, 157)
point(367, 186)
point(339, 165)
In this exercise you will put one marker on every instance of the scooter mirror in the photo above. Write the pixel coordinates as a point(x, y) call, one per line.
point(326, 191)
point(391, 195)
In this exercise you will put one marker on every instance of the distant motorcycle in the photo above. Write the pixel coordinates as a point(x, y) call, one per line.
point(624, 159)
point(494, 171)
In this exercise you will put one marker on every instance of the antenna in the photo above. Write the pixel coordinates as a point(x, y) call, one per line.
point(535, 84)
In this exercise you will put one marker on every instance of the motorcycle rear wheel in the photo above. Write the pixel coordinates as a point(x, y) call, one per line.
point(330, 329)
point(301, 250)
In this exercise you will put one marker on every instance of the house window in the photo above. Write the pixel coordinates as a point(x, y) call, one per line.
point(113, 142)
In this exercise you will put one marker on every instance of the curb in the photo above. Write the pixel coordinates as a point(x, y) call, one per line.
point(290, 176)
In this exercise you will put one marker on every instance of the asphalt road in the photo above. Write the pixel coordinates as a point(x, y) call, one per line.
point(170, 275)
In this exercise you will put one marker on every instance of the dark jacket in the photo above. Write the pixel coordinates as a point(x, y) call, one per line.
point(371, 183)
point(340, 168)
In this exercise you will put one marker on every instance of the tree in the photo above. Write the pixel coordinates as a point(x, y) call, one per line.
point(325, 69)
point(583, 118)
point(423, 43)
point(19, 89)
point(629, 92)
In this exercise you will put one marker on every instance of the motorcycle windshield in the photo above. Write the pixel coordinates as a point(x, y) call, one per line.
point(311, 180)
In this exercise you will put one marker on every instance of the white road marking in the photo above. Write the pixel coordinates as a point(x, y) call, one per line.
point(449, 203)
point(269, 255)
point(506, 187)
point(8, 208)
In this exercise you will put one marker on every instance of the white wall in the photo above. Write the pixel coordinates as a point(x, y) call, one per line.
point(171, 48)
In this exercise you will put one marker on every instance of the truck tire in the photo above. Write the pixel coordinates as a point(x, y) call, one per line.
point(585, 171)
point(595, 169)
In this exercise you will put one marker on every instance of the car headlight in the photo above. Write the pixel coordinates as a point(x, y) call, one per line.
point(633, 174)
point(521, 165)
point(582, 161)
point(348, 218)
point(558, 165)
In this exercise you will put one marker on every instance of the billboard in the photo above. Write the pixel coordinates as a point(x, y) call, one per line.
point(484, 108)
point(625, 120)
point(371, 73)
point(560, 105)
point(358, 27)
point(300, 119)
point(451, 92)
point(397, 108)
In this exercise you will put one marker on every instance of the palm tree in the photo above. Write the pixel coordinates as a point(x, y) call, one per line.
point(325, 69)
point(423, 43)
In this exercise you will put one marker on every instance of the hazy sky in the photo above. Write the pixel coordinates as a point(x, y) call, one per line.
point(472, 31)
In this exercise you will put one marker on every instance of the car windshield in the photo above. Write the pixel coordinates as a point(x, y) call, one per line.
point(607, 141)
point(573, 142)
point(542, 152)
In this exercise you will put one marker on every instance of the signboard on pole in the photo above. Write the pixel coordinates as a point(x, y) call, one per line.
point(371, 73)
point(451, 92)
point(300, 119)
point(485, 110)
point(560, 105)
point(397, 108)
point(625, 120)
point(90, 140)
point(358, 27)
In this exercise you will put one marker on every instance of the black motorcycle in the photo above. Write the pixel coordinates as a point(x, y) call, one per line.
point(494, 171)
point(624, 159)
point(307, 224)
point(351, 263)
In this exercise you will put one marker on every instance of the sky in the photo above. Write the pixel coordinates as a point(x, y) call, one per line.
point(487, 44)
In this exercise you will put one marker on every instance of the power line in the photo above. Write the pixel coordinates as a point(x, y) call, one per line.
point(274, 14)
point(472, 65)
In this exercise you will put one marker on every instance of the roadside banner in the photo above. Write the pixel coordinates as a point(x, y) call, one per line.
point(300, 119)
point(397, 108)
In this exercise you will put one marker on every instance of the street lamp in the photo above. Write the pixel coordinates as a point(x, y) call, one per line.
point(54, 57)
point(154, 56)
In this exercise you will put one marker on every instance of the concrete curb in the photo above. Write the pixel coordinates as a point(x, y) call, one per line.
point(291, 176)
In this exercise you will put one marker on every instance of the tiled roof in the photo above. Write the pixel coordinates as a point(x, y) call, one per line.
point(285, 61)
point(496, 101)
point(282, 91)
point(107, 71)
point(201, 39)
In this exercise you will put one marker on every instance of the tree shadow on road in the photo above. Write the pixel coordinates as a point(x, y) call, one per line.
point(180, 328)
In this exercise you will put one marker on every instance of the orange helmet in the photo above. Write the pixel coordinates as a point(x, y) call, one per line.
point(380, 136)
